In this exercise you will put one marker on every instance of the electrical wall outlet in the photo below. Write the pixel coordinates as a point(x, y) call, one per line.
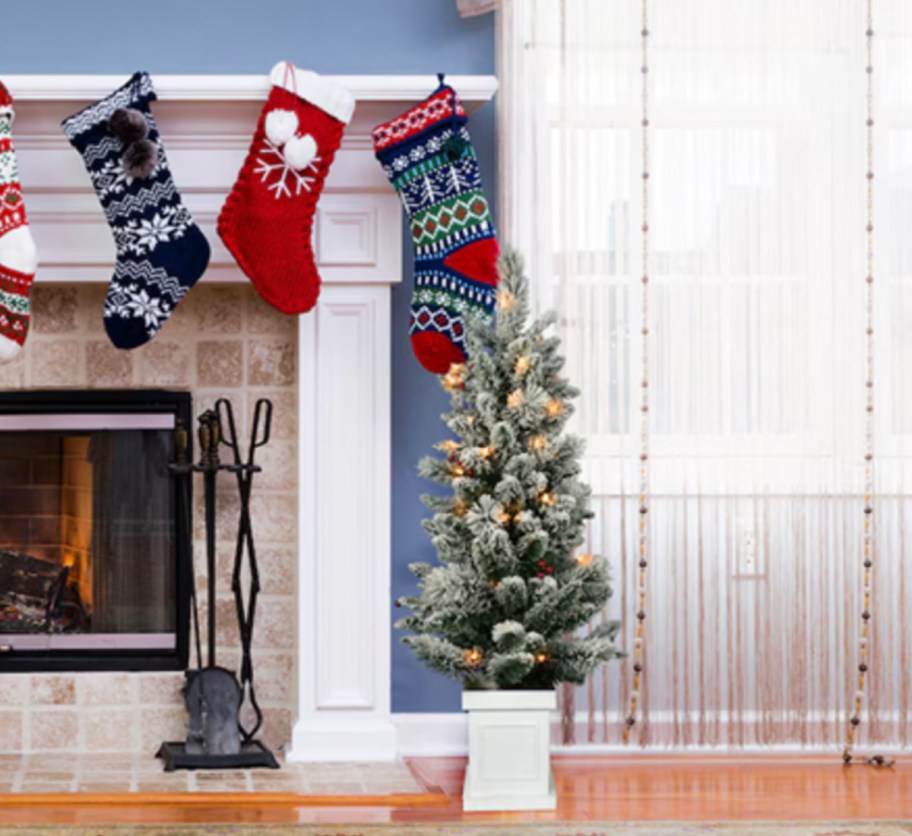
point(748, 558)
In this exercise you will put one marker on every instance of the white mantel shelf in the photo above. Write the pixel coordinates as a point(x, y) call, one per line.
point(239, 88)
point(207, 122)
point(343, 352)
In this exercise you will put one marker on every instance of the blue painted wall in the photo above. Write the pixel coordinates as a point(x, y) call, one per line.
point(330, 36)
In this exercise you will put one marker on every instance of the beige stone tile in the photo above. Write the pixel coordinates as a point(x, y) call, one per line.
point(107, 366)
point(46, 787)
point(55, 362)
point(31, 776)
point(11, 730)
point(54, 309)
point(121, 761)
point(227, 510)
point(53, 730)
point(280, 466)
point(161, 689)
point(284, 412)
point(276, 516)
point(218, 310)
point(158, 725)
point(53, 689)
point(14, 689)
point(276, 622)
point(109, 729)
point(274, 678)
point(106, 689)
point(164, 362)
point(278, 569)
point(90, 301)
point(263, 318)
point(277, 723)
point(219, 363)
point(163, 784)
point(102, 787)
point(223, 776)
point(271, 362)
point(227, 634)
point(12, 374)
point(96, 774)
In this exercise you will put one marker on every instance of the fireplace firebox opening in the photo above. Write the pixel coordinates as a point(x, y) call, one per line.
point(94, 546)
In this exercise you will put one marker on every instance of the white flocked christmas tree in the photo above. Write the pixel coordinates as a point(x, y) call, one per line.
point(504, 606)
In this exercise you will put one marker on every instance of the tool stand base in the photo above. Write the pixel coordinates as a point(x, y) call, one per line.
point(251, 756)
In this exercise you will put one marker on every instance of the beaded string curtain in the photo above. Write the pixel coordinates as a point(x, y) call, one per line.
point(757, 385)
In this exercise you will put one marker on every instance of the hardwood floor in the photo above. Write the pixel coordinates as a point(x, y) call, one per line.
point(633, 788)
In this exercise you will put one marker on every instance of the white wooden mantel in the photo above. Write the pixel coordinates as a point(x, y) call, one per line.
point(206, 122)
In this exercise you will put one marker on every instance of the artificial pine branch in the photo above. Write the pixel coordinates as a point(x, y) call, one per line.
point(503, 608)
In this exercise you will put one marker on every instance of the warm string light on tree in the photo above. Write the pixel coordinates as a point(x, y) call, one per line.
point(486, 452)
point(546, 498)
point(584, 558)
point(554, 408)
point(522, 365)
point(538, 443)
point(505, 299)
point(474, 657)
point(455, 377)
point(516, 399)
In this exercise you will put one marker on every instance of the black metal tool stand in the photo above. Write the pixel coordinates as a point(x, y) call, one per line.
point(217, 427)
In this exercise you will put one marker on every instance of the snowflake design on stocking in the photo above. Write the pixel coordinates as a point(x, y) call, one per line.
point(275, 170)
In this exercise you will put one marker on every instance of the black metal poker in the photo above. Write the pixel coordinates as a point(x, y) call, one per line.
point(244, 471)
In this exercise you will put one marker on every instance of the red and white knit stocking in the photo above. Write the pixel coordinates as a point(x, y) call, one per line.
point(267, 220)
point(18, 257)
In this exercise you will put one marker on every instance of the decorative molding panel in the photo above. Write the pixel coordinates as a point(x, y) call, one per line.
point(344, 576)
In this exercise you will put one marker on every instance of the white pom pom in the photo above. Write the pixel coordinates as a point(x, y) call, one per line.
point(300, 151)
point(281, 125)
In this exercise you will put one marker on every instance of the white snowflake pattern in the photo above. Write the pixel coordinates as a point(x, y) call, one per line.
point(276, 166)
point(152, 311)
point(141, 236)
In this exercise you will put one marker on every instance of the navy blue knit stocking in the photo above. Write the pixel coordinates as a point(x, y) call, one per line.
point(161, 252)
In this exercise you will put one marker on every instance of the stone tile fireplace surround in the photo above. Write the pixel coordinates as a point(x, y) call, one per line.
point(321, 508)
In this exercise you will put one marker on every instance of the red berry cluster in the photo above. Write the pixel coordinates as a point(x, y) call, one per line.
point(544, 568)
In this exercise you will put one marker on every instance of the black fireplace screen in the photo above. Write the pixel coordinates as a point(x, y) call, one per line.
point(92, 567)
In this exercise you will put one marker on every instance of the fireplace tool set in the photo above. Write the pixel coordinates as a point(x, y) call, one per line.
point(217, 736)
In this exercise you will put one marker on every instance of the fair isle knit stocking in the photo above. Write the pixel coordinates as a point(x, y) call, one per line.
point(18, 257)
point(428, 156)
point(161, 252)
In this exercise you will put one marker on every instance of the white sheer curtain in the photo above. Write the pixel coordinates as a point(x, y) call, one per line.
point(757, 237)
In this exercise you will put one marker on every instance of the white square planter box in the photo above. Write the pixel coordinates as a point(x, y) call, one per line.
point(509, 750)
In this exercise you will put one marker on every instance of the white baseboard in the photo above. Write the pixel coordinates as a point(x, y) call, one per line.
point(432, 735)
point(446, 735)
point(350, 741)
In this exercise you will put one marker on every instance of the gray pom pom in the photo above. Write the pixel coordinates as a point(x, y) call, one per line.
point(128, 124)
point(140, 158)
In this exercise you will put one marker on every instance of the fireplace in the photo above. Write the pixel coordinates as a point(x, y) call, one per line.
point(94, 546)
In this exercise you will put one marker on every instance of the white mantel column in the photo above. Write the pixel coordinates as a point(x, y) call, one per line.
point(344, 529)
